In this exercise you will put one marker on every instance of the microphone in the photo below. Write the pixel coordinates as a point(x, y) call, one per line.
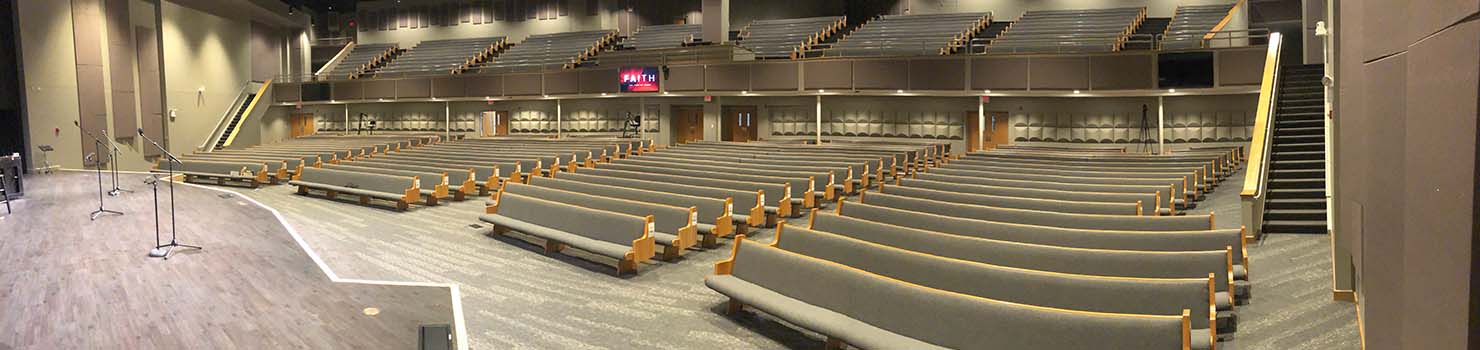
point(141, 131)
point(78, 124)
point(89, 157)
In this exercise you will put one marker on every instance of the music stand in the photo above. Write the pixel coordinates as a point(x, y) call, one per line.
point(164, 250)
point(45, 158)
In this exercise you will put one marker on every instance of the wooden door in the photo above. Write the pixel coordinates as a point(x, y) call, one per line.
point(501, 123)
point(302, 124)
point(996, 127)
point(973, 136)
point(688, 124)
point(738, 124)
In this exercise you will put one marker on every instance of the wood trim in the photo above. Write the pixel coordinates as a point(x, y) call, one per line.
point(1262, 120)
point(1344, 295)
point(1228, 250)
point(727, 266)
point(493, 208)
point(1213, 310)
point(812, 217)
point(776, 241)
point(1138, 207)
point(1243, 242)
point(783, 206)
point(1187, 329)
point(1224, 22)
point(809, 198)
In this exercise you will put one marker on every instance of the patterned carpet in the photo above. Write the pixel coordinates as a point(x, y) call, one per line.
point(515, 297)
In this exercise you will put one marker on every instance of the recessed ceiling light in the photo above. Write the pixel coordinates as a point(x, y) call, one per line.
point(744, 92)
point(821, 91)
point(899, 91)
point(1171, 90)
point(603, 94)
point(1076, 91)
point(987, 91)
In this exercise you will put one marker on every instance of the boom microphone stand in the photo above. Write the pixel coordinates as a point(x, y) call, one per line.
point(113, 165)
point(98, 169)
point(164, 250)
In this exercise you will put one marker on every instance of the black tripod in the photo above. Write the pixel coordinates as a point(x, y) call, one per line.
point(1146, 133)
point(164, 250)
point(97, 168)
point(113, 165)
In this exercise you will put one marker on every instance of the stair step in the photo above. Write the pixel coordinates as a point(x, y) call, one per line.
point(1297, 164)
point(1300, 147)
point(1295, 226)
point(1308, 123)
point(1300, 155)
point(1293, 184)
point(1301, 109)
point(1299, 131)
point(1297, 173)
point(1295, 215)
point(1301, 95)
point(1295, 203)
point(1284, 193)
point(1279, 139)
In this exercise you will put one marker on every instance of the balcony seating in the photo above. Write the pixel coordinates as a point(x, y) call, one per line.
point(1093, 30)
point(442, 56)
point(932, 34)
point(556, 50)
point(663, 36)
point(785, 38)
point(1191, 23)
point(362, 58)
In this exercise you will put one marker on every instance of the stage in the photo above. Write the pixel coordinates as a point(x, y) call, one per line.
point(71, 283)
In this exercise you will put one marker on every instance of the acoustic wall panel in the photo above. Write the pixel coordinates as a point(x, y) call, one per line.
point(524, 84)
point(836, 74)
point(774, 76)
point(937, 74)
point(1006, 73)
point(378, 89)
point(727, 77)
point(1122, 72)
point(685, 78)
point(87, 41)
point(485, 85)
point(121, 75)
point(1059, 73)
point(347, 90)
point(598, 81)
point(562, 83)
point(150, 90)
point(281, 92)
point(1240, 67)
point(881, 74)
point(413, 88)
point(449, 87)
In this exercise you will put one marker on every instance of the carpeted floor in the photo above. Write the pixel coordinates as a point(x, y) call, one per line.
point(515, 297)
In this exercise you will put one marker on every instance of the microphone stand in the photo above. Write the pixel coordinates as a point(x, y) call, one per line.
point(164, 250)
point(98, 169)
point(113, 165)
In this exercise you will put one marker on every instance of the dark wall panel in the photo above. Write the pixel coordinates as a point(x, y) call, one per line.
point(348, 90)
point(379, 89)
point(828, 75)
point(449, 87)
point(774, 76)
point(524, 84)
point(727, 77)
point(937, 74)
point(150, 89)
point(562, 83)
point(1240, 67)
point(414, 88)
point(485, 85)
point(121, 75)
point(1429, 16)
point(1382, 194)
point(286, 92)
point(881, 74)
point(685, 78)
point(1059, 73)
point(87, 44)
point(1439, 214)
point(999, 73)
point(599, 81)
point(1122, 72)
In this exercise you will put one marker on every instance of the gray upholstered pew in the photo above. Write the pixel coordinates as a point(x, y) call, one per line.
point(786, 205)
point(1148, 201)
point(1115, 294)
point(1041, 217)
point(1163, 192)
point(674, 228)
point(821, 181)
point(1197, 240)
point(751, 202)
point(518, 168)
point(853, 307)
point(1197, 172)
point(544, 162)
point(277, 168)
point(403, 190)
point(1210, 168)
point(903, 160)
point(1062, 206)
point(624, 237)
point(464, 181)
point(1188, 177)
point(1180, 188)
point(851, 174)
point(714, 215)
point(868, 170)
point(435, 186)
point(486, 177)
point(251, 174)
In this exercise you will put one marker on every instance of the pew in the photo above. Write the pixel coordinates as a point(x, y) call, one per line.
point(403, 190)
point(624, 237)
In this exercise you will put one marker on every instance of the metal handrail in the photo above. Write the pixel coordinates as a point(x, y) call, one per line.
point(1253, 194)
point(241, 94)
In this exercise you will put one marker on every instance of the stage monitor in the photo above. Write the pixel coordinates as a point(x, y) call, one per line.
point(1185, 70)
point(639, 79)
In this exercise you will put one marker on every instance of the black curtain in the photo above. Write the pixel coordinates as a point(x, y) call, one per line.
point(12, 127)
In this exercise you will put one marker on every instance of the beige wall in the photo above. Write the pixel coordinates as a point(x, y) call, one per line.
point(51, 79)
point(206, 61)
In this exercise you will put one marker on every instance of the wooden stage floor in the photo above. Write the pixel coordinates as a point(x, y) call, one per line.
point(70, 283)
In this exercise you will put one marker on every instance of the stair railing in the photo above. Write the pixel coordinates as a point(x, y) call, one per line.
point(251, 105)
point(1256, 178)
point(223, 124)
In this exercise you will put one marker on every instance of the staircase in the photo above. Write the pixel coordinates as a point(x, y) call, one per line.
point(1297, 172)
point(234, 123)
point(1145, 36)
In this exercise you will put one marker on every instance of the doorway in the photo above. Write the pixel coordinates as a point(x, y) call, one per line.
point(738, 124)
point(996, 130)
point(494, 123)
point(688, 124)
point(302, 125)
point(973, 135)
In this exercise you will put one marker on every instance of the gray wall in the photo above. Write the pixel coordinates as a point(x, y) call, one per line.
point(1408, 74)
